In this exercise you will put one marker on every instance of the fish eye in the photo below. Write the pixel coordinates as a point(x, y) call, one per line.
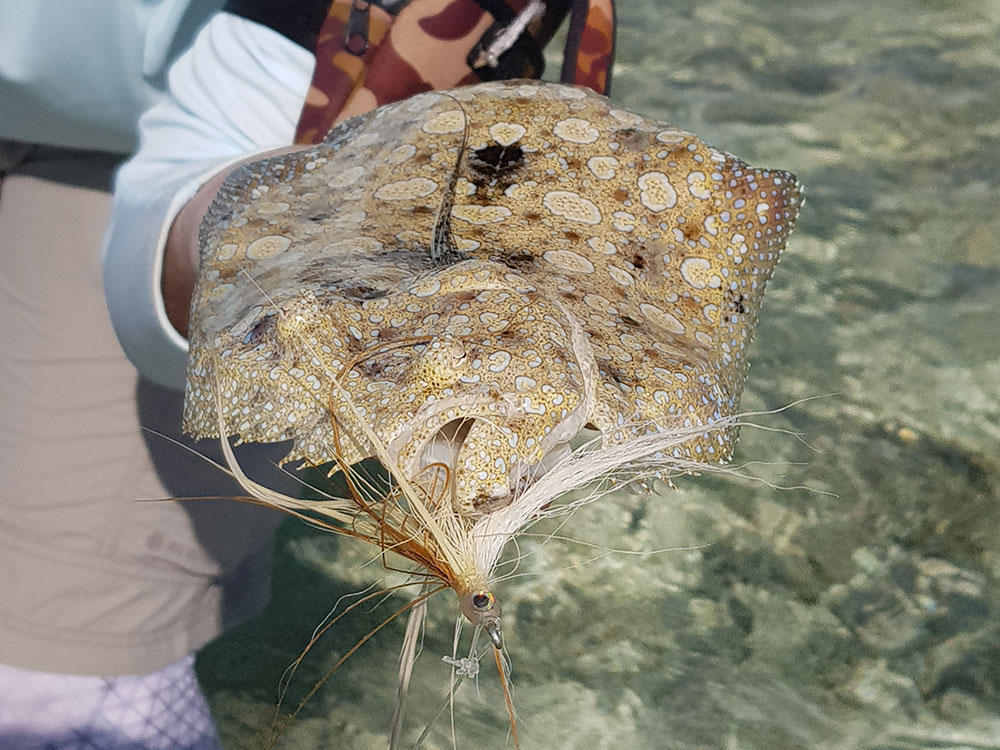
point(483, 601)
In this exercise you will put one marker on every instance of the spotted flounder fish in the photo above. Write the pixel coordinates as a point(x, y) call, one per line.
point(479, 275)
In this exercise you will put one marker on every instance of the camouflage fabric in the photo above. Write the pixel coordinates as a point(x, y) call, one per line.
point(367, 56)
point(590, 47)
point(338, 71)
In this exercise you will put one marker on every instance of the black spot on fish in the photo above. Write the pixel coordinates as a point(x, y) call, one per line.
point(492, 169)
point(496, 160)
point(517, 260)
point(619, 376)
point(632, 139)
point(360, 291)
point(373, 367)
point(736, 302)
point(260, 330)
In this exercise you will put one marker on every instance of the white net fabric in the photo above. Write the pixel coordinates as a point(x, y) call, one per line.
point(162, 710)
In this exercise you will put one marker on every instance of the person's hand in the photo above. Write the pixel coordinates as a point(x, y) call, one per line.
point(180, 257)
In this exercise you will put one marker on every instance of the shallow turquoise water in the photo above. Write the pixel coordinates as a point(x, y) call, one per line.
point(862, 612)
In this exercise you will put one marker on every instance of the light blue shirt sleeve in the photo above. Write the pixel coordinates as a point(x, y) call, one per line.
point(78, 73)
point(237, 91)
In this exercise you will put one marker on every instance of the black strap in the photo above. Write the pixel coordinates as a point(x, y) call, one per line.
point(500, 11)
point(513, 63)
point(525, 55)
point(298, 20)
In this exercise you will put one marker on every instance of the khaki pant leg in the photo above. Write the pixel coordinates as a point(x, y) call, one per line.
point(92, 581)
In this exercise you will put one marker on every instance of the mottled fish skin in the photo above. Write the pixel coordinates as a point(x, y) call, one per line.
point(611, 273)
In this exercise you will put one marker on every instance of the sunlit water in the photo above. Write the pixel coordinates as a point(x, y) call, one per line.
point(860, 613)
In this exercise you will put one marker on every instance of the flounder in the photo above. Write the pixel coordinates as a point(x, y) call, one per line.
point(485, 272)
point(458, 285)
